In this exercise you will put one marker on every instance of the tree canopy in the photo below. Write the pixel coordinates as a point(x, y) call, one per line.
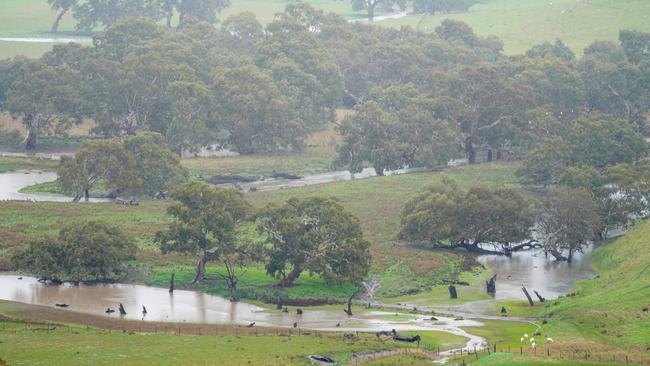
point(314, 234)
point(89, 251)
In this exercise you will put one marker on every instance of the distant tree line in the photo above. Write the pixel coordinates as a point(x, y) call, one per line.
point(420, 99)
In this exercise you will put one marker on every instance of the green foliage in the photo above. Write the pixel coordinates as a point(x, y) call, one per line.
point(93, 13)
point(445, 215)
point(595, 140)
point(568, 221)
point(316, 235)
point(396, 129)
point(90, 251)
point(205, 223)
point(96, 160)
point(156, 166)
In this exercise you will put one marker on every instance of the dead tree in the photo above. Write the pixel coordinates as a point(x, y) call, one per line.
point(349, 309)
point(491, 285)
point(540, 297)
point(171, 283)
point(370, 288)
point(530, 299)
point(121, 308)
point(452, 292)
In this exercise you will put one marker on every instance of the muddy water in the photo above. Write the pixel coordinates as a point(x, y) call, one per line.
point(538, 273)
point(271, 184)
point(11, 183)
point(198, 307)
point(51, 39)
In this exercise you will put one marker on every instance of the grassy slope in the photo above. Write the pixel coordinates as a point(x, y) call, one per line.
point(520, 24)
point(81, 339)
point(376, 201)
point(609, 309)
point(12, 164)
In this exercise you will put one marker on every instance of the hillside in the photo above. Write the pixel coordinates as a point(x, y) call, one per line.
point(520, 24)
point(613, 308)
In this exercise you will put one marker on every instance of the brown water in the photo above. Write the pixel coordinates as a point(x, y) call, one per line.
point(11, 183)
point(537, 272)
point(198, 307)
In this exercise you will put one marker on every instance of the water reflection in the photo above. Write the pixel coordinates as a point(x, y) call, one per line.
point(11, 183)
point(198, 307)
point(537, 272)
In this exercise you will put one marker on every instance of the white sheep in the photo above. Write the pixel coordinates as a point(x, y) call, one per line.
point(532, 340)
point(526, 335)
point(522, 340)
point(549, 339)
point(534, 345)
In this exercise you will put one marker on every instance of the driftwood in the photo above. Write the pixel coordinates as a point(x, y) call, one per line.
point(530, 299)
point(121, 309)
point(281, 175)
point(452, 292)
point(322, 359)
point(491, 285)
point(61, 305)
point(171, 283)
point(540, 297)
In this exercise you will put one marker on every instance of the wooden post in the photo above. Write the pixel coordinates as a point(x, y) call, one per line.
point(540, 297)
point(530, 300)
point(171, 283)
point(452, 292)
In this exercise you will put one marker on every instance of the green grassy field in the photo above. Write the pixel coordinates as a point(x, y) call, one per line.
point(12, 164)
point(520, 24)
point(376, 201)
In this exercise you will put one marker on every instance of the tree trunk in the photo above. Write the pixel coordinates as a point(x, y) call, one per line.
point(86, 195)
point(371, 12)
point(555, 253)
point(57, 20)
point(349, 309)
point(570, 258)
point(200, 269)
point(499, 154)
point(232, 286)
point(530, 299)
point(30, 142)
point(489, 155)
point(171, 283)
point(292, 276)
point(469, 151)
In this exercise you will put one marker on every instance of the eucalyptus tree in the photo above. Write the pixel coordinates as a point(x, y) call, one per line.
point(395, 129)
point(201, 10)
point(252, 108)
point(96, 161)
point(61, 7)
point(205, 223)
point(371, 6)
point(91, 14)
point(567, 222)
point(445, 216)
point(86, 251)
point(45, 98)
point(313, 234)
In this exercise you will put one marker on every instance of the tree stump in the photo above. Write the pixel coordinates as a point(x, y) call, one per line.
point(171, 283)
point(491, 285)
point(452, 292)
point(530, 300)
